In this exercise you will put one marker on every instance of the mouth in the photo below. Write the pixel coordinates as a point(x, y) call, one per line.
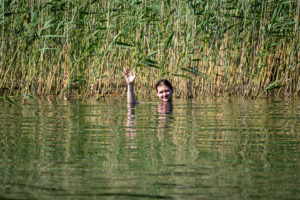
point(165, 98)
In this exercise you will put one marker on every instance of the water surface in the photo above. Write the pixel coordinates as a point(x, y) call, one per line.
point(192, 149)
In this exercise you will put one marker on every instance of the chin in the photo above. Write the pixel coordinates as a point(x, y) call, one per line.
point(166, 100)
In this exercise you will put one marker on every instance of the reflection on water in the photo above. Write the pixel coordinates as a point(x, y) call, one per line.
point(211, 149)
point(165, 111)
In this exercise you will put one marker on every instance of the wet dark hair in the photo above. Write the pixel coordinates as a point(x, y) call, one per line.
point(164, 82)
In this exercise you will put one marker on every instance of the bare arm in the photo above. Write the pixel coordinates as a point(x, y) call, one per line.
point(130, 82)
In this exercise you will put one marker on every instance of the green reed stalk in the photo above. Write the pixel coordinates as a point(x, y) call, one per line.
point(203, 47)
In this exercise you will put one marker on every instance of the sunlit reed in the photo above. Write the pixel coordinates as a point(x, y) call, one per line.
point(245, 48)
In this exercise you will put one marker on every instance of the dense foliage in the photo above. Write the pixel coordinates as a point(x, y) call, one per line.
point(226, 47)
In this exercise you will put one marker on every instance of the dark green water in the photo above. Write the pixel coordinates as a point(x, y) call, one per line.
point(200, 149)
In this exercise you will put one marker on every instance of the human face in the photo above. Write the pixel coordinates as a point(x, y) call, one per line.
point(164, 93)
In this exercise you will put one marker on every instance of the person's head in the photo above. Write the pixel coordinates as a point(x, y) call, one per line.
point(164, 90)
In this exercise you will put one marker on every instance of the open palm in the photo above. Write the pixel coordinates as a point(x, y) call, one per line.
point(128, 75)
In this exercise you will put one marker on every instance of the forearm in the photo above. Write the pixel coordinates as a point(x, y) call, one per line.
point(130, 93)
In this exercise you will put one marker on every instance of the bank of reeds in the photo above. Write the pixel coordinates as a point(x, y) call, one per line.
point(226, 47)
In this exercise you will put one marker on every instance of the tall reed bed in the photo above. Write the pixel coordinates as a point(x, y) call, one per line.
point(226, 47)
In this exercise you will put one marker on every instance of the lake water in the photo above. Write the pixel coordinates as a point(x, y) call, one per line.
point(210, 148)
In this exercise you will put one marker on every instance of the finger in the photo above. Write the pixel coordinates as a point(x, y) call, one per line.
point(126, 70)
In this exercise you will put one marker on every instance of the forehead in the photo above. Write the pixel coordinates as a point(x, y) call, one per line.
point(162, 88)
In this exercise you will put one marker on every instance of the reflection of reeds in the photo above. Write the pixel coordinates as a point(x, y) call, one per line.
point(204, 47)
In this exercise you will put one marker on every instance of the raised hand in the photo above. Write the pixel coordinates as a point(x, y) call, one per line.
point(130, 80)
point(129, 76)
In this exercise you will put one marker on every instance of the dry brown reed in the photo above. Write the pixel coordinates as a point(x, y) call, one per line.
point(245, 48)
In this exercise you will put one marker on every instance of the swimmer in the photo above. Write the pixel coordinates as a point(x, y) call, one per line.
point(164, 89)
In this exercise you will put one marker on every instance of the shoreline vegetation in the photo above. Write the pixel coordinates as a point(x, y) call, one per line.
point(224, 48)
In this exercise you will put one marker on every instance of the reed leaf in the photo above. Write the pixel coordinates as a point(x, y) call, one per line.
point(237, 47)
